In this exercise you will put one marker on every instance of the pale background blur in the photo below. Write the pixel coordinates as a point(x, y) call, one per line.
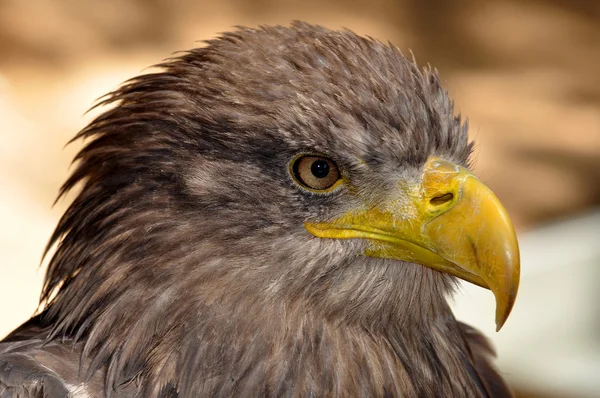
point(526, 73)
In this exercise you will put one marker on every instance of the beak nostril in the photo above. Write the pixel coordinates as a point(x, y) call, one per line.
point(440, 200)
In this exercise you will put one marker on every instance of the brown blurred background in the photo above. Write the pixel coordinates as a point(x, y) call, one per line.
point(526, 73)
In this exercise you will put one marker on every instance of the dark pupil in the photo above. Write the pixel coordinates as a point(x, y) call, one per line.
point(320, 169)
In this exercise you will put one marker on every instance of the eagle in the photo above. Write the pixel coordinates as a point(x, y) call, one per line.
point(282, 212)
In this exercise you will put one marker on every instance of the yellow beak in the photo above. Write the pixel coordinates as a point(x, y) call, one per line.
point(450, 222)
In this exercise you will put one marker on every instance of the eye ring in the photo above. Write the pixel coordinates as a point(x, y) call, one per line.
point(316, 173)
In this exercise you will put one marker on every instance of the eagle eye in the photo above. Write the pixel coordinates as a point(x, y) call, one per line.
point(315, 172)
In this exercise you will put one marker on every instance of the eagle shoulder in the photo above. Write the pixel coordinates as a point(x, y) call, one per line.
point(482, 354)
point(31, 367)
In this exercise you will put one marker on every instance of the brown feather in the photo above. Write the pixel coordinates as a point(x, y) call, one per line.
point(183, 267)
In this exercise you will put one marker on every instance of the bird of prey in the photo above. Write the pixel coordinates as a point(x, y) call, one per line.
point(281, 213)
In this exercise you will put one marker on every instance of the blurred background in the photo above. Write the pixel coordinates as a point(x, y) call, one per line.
point(525, 72)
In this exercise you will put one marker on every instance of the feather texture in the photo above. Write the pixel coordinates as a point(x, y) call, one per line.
point(183, 268)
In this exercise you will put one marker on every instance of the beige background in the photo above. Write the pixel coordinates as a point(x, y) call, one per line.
point(526, 73)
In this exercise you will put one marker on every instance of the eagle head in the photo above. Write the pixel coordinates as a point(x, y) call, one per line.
point(277, 191)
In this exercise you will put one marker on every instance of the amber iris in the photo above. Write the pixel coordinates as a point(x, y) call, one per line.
point(315, 172)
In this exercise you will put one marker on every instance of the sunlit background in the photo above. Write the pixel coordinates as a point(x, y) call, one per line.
point(526, 73)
